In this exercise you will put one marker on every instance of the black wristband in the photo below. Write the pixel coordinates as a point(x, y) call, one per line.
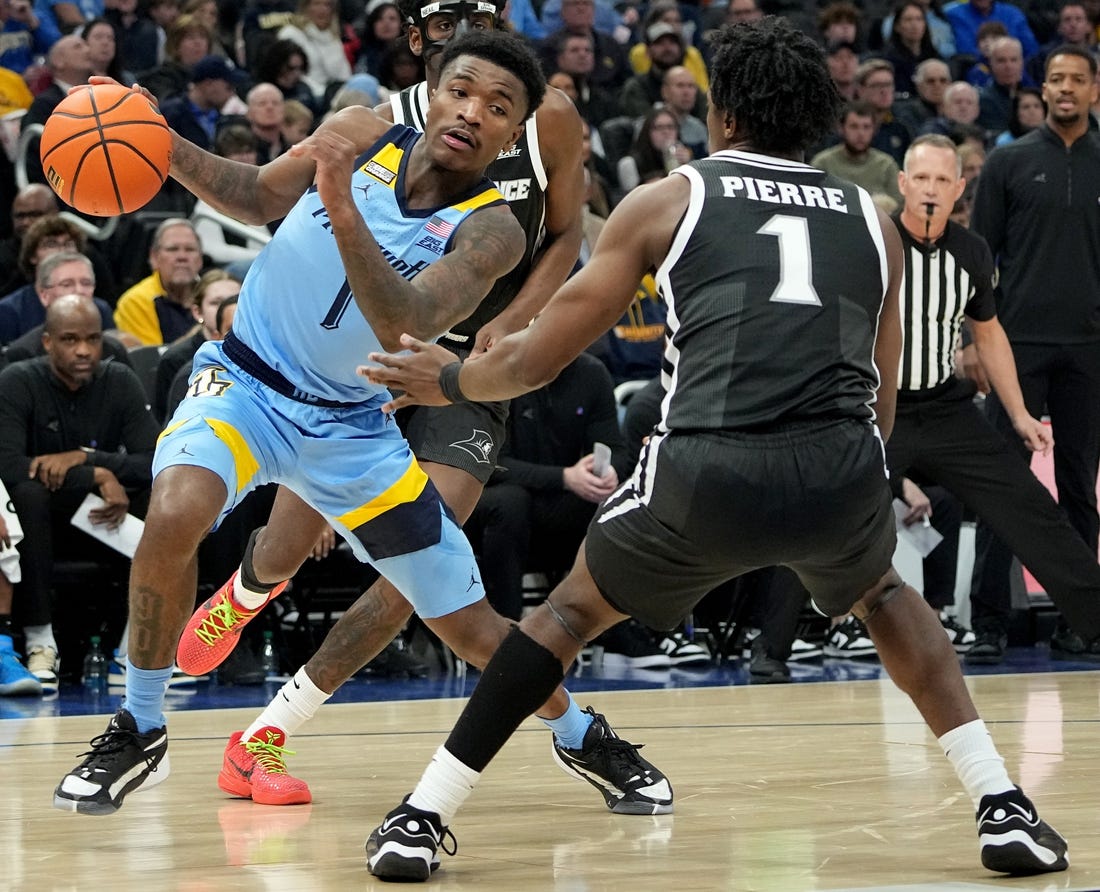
point(448, 383)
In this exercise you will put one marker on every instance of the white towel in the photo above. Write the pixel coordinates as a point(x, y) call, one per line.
point(9, 557)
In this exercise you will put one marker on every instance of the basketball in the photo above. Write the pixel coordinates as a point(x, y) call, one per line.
point(105, 150)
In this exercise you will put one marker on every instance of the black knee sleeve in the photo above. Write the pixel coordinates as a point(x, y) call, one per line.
point(248, 574)
point(519, 678)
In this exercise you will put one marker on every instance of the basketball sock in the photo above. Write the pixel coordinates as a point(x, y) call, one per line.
point(570, 727)
point(145, 690)
point(976, 761)
point(444, 786)
point(516, 682)
point(248, 591)
point(292, 707)
point(39, 636)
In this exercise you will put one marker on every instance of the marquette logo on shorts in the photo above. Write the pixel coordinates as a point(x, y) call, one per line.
point(380, 172)
point(55, 179)
point(479, 445)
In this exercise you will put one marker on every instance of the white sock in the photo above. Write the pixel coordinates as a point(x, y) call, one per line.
point(291, 708)
point(247, 598)
point(39, 636)
point(444, 786)
point(976, 761)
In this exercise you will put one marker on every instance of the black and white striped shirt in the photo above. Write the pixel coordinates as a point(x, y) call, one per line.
point(943, 281)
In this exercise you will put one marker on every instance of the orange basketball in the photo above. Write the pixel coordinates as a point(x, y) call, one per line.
point(105, 150)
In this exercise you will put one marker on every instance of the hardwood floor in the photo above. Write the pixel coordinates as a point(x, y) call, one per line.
point(827, 786)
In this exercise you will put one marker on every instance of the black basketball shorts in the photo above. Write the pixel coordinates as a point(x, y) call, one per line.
point(703, 508)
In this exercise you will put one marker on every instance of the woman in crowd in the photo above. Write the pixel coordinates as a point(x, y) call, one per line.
point(316, 29)
point(285, 65)
point(656, 150)
point(381, 30)
point(1028, 112)
point(909, 44)
point(102, 42)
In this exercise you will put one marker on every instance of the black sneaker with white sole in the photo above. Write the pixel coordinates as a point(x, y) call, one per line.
point(405, 846)
point(630, 785)
point(120, 761)
point(1014, 839)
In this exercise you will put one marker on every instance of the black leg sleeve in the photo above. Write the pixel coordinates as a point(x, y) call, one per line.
point(519, 678)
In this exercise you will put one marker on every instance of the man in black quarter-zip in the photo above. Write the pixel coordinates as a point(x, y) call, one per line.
point(1038, 207)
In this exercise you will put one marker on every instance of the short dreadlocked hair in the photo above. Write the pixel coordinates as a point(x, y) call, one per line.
point(507, 52)
point(773, 80)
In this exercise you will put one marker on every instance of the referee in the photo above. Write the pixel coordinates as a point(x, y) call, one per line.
point(939, 434)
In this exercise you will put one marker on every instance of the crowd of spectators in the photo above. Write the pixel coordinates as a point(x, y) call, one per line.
point(249, 79)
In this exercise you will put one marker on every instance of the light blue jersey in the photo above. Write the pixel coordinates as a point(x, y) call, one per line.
point(278, 401)
point(296, 310)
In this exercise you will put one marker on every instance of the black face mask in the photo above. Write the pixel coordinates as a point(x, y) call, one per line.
point(463, 10)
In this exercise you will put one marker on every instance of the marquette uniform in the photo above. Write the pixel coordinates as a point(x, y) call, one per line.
point(469, 435)
point(279, 400)
point(766, 452)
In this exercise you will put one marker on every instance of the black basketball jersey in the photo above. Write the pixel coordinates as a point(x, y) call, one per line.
point(521, 178)
point(773, 283)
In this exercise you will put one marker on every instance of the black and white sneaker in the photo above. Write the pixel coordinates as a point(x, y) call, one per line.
point(405, 846)
point(630, 645)
point(630, 785)
point(120, 761)
point(1014, 839)
point(683, 651)
point(961, 638)
point(849, 639)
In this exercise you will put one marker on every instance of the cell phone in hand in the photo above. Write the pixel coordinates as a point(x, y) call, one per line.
point(601, 459)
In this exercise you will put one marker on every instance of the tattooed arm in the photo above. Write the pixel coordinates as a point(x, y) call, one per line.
point(486, 245)
point(259, 195)
point(245, 192)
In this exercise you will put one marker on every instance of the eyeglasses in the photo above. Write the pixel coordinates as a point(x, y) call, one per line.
point(72, 284)
point(58, 243)
point(879, 85)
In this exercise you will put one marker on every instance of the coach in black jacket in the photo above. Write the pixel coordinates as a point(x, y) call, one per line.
point(1038, 207)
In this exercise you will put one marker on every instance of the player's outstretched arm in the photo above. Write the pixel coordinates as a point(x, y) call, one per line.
point(636, 239)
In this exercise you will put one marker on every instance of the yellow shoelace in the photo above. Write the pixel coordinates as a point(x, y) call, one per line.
point(269, 756)
point(223, 617)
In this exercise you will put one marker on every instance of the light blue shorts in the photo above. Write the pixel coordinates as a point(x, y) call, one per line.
point(351, 464)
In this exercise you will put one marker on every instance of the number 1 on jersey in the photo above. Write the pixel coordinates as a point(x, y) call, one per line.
point(795, 266)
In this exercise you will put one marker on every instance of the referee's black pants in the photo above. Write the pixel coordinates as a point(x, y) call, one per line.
point(946, 439)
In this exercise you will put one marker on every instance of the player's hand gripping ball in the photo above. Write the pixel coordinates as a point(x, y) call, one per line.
point(105, 150)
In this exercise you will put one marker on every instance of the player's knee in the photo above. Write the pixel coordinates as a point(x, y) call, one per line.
point(889, 586)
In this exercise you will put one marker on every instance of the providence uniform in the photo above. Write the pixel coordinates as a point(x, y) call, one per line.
point(469, 435)
point(773, 283)
point(279, 399)
point(940, 436)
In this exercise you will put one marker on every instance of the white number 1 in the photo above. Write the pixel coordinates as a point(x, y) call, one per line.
point(795, 267)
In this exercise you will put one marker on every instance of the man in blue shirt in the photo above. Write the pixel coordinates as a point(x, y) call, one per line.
point(966, 18)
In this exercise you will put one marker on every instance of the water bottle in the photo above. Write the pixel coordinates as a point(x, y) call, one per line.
point(671, 159)
point(269, 659)
point(95, 667)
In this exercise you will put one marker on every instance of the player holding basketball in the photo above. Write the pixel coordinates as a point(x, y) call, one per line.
point(782, 286)
point(278, 399)
point(543, 179)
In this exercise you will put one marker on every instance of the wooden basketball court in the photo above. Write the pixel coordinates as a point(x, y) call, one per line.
point(825, 786)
